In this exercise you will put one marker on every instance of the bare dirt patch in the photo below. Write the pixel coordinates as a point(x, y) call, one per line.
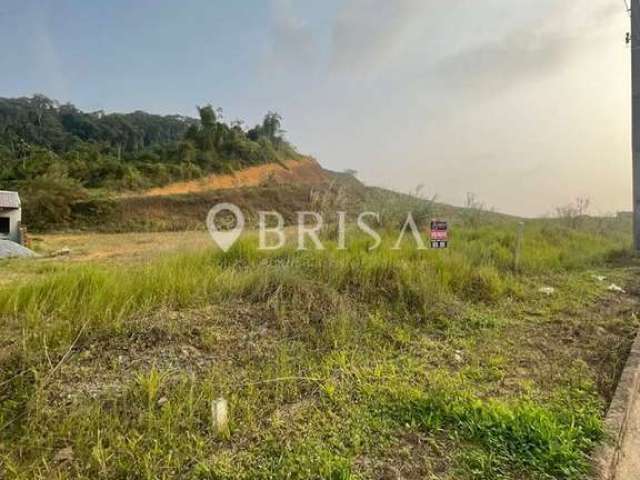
point(305, 170)
point(184, 342)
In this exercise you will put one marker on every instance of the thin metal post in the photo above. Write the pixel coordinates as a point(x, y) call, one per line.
point(635, 117)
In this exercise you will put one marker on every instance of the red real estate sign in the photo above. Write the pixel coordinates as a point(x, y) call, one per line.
point(439, 234)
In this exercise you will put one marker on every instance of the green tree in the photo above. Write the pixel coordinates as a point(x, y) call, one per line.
point(47, 199)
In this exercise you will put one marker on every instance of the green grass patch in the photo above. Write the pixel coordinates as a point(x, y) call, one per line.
point(336, 364)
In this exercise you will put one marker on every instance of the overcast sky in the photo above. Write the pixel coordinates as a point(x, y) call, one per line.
point(524, 103)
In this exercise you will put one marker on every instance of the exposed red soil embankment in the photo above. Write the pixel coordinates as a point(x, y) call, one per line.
point(305, 170)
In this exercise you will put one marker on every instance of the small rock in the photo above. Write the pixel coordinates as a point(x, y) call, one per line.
point(64, 455)
point(547, 290)
point(615, 288)
point(61, 252)
point(162, 401)
point(188, 350)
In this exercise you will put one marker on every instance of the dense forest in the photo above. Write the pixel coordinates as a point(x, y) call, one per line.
point(54, 154)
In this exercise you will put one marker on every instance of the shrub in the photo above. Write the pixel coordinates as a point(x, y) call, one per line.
point(48, 200)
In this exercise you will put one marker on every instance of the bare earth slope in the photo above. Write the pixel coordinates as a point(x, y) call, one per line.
point(306, 170)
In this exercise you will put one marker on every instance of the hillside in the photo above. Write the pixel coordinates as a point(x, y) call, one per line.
point(56, 155)
point(139, 171)
point(296, 185)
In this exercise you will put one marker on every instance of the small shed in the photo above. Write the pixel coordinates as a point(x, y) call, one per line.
point(10, 216)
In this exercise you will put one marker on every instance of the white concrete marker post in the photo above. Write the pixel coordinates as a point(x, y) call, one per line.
point(220, 417)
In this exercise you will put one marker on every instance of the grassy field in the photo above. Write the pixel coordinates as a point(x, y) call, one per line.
point(335, 364)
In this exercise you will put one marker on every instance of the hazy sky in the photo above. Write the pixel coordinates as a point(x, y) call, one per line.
point(524, 103)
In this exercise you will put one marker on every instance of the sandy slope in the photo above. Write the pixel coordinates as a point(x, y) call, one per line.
point(306, 170)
